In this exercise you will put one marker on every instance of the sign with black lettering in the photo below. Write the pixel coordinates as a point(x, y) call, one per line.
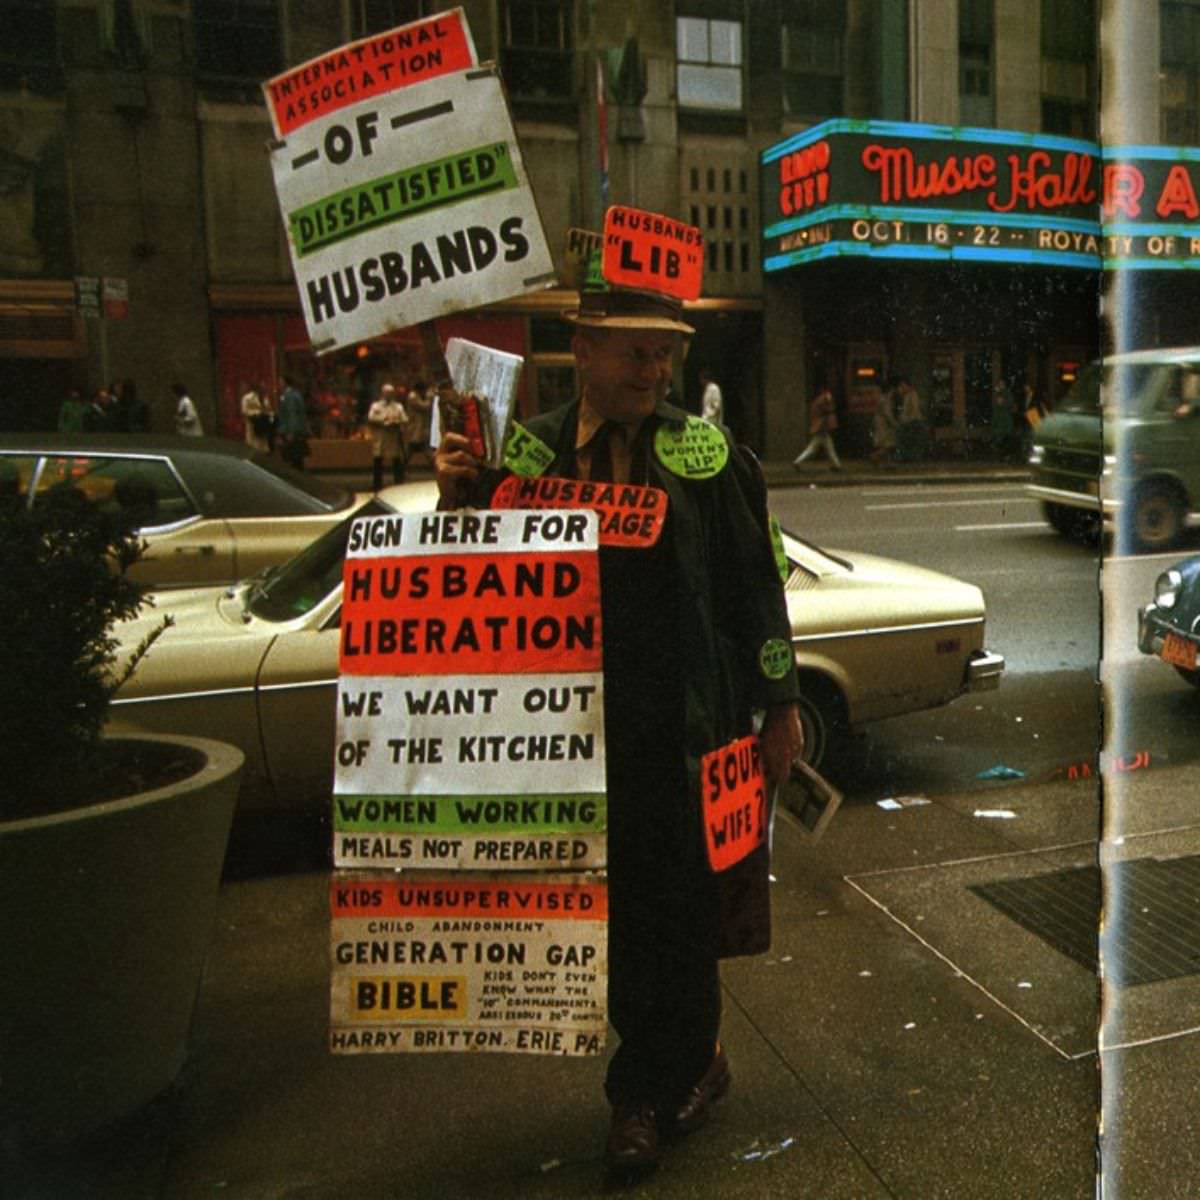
point(370, 67)
point(408, 205)
point(629, 515)
point(468, 962)
point(734, 802)
point(470, 724)
point(652, 253)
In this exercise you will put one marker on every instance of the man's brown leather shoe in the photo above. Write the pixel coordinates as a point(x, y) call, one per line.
point(632, 1139)
point(692, 1111)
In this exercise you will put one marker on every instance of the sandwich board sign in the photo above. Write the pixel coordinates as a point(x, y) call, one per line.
point(404, 193)
point(470, 726)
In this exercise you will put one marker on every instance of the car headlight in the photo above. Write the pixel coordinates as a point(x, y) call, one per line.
point(1036, 454)
point(1166, 588)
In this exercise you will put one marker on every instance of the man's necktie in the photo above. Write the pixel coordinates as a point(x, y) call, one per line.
point(600, 466)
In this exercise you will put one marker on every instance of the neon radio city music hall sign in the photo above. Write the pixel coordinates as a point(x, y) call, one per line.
point(883, 189)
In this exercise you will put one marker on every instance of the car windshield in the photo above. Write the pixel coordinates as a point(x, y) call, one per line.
point(304, 581)
point(1084, 395)
point(810, 556)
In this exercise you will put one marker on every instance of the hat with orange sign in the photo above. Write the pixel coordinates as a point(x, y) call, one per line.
point(638, 273)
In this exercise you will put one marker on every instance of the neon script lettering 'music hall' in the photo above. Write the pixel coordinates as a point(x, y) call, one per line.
point(907, 191)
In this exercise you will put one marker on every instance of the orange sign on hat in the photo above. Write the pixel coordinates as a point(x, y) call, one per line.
point(652, 253)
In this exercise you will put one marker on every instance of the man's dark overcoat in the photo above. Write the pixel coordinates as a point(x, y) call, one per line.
point(731, 610)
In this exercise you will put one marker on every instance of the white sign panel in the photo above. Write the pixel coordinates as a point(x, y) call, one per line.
point(468, 963)
point(470, 726)
point(409, 206)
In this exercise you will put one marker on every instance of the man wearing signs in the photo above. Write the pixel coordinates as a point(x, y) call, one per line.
point(696, 636)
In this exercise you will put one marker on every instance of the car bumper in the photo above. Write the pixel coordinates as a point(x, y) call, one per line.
point(1153, 632)
point(1071, 499)
point(983, 671)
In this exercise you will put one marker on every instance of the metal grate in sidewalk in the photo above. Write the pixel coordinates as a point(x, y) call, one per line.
point(1153, 926)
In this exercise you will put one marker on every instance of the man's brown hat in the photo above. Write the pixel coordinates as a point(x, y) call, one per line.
point(623, 308)
point(606, 305)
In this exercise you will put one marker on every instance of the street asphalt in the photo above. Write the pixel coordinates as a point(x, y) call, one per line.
point(902, 1038)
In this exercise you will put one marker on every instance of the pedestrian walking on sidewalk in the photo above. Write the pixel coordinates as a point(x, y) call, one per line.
point(696, 635)
point(712, 405)
point(187, 419)
point(292, 425)
point(822, 423)
point(883, 428)
point(388, 419)
point(911, 431)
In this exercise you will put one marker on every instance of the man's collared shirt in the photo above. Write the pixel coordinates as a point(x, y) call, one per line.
point(621, 441)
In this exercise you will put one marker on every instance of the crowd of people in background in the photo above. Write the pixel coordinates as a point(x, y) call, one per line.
point(116, 408)
point(398, 420)
point(900, 429)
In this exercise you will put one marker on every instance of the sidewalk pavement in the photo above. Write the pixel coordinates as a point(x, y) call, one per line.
point(902, 1038)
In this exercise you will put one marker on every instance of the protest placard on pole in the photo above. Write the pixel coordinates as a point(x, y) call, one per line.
point(470, 705)
point(402, 203)
point(468, 962)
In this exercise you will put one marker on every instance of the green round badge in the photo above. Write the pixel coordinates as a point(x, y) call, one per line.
point(695, 450)
point(525, 454)
point(775, 658)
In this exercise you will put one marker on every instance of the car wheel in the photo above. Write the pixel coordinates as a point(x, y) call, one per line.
point(821, 717)
point(1192, 677)
point(1059, 517)
point(1157, 516)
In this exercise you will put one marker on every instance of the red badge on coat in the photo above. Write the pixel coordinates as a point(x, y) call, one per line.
point(734, 802)
point(629, 515)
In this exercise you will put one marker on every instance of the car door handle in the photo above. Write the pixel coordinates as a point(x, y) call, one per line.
point(204, 550)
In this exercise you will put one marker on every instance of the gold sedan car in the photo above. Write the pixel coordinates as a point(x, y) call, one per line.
point(210, 510)
point(257, 663)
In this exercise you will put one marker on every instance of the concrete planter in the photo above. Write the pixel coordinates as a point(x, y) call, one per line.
point(105, 918)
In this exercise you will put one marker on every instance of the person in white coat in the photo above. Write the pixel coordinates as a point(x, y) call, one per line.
point(187, 419)
point(712, 406)
point(388, 419)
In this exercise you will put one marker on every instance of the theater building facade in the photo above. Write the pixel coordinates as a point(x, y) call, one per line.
point(956, 258)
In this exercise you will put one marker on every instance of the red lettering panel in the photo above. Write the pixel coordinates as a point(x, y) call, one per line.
point(471, 614)
point(371, 67)
point(652, 253)
point(629, 516)
point(734, 802)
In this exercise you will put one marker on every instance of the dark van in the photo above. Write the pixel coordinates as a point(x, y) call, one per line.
point(1123, 448)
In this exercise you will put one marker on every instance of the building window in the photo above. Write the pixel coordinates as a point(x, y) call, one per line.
point(378, 16)
point(1069, 67)
point(29, 48)
point(537, 49)
point(975, 63)
point(725, 217)
point(239, 42)
point(709, 63)
point(814, 55)
point(1179, 87)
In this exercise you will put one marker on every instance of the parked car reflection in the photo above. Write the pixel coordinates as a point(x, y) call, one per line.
point(211, 511)
point(257, 663)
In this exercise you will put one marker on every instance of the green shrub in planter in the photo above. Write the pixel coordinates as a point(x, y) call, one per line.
point(110, 849)
point(62, 588)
